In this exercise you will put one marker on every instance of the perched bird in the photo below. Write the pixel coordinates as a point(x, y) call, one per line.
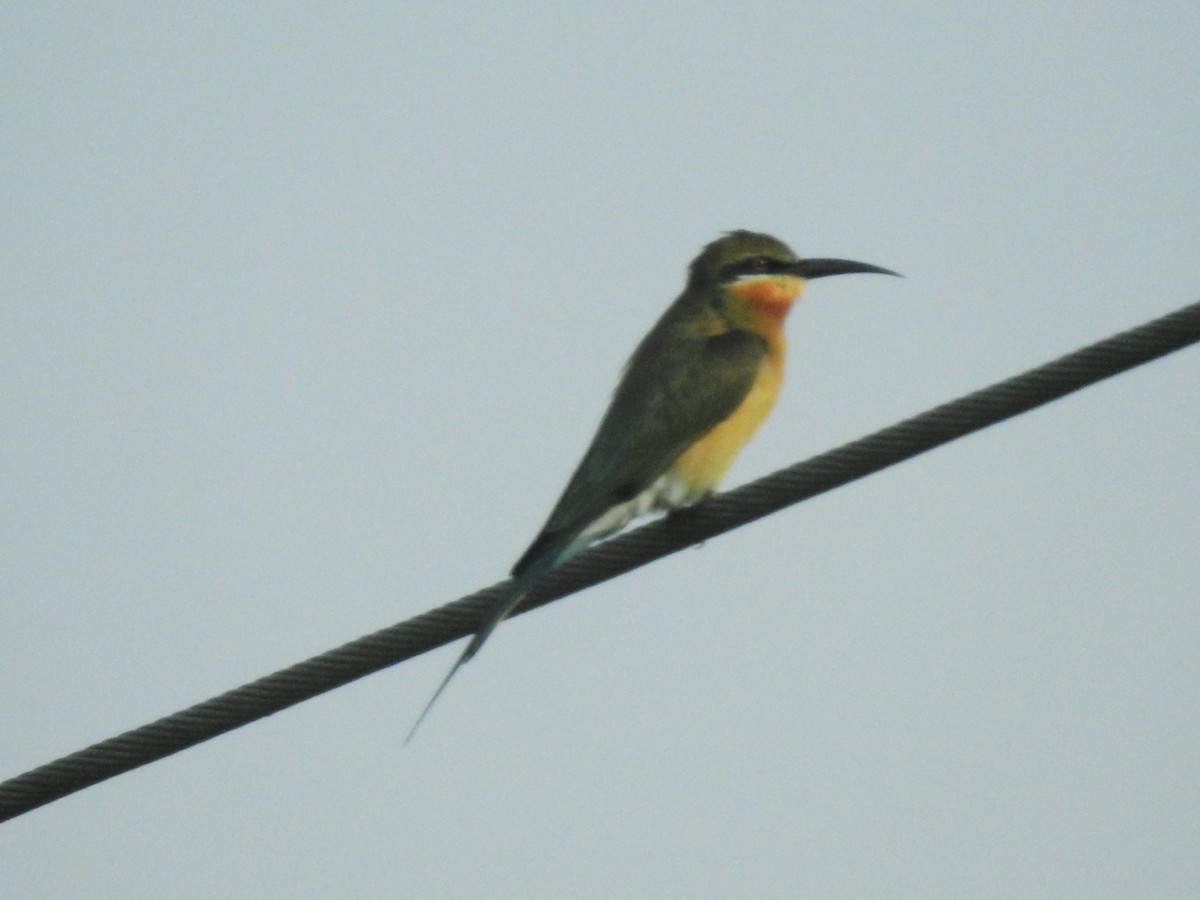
point(692, 394)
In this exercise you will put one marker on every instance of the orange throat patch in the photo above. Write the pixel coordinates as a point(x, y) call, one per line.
point(769, 296)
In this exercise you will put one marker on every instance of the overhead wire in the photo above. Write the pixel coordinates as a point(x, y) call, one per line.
point(718, 514)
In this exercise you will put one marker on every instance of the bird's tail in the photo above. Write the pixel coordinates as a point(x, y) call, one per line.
point(518, 587)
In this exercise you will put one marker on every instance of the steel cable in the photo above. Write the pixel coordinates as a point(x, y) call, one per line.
point(715, 516)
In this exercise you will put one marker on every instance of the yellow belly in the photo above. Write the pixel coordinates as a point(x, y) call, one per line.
point(704, 463)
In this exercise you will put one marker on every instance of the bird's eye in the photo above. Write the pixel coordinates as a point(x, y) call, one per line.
point(758, 264)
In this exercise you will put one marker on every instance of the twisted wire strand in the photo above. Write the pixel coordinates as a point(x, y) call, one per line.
point(717, 515)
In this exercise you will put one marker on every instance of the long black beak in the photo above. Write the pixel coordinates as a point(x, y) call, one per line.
point(819, 268)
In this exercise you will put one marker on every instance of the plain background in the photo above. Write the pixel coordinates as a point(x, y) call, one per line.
point(308, 311)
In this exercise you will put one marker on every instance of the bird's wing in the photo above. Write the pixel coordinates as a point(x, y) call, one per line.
point(671, 395)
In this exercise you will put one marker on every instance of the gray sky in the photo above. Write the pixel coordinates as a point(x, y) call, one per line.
point(307, 314)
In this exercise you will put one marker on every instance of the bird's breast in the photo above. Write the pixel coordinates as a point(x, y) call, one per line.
point(703, 464)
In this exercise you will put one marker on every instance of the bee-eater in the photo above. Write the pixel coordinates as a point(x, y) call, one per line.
point(692, 394)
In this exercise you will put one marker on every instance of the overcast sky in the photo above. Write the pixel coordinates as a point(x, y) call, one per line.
point(307, 312)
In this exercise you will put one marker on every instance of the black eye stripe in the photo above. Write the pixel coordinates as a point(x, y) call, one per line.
point(753, 265)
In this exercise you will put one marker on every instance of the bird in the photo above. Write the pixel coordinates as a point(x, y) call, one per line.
point(694, 391)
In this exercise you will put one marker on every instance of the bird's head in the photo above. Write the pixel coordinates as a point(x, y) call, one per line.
point(755, 276)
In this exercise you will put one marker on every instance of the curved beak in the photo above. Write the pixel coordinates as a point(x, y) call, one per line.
point(819, 268)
